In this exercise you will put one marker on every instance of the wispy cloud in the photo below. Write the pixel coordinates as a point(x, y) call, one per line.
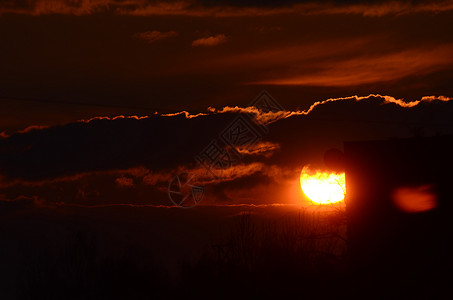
point(63, 7)
point(227, 9)
point(263, 148)
point(194, 9)
point(366, 69)
point(154, 36)
point(381, 8)
point(369, 9)
point(210, 41)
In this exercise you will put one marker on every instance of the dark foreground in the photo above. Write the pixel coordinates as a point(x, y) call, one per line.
point(206, 252)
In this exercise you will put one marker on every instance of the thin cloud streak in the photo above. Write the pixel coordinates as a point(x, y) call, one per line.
point(154, 36)
point(202, 204)
point(197, 9)
point(210, 41)
point(371, 69)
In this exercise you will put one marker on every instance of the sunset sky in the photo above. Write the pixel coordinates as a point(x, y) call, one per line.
point(105, 101)
point(170, 149)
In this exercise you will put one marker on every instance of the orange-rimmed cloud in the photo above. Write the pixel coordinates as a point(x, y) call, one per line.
point(269, 117)
point(161, 147)
point(205, 176)
point(259, 116)
point(264, 148)
point(153, 129)
point(5, 134)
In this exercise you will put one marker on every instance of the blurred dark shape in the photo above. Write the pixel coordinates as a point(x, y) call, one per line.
point(415, 199)
point(334, 160)
point(399, 204)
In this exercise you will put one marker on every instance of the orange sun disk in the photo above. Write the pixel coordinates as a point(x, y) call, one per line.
point(322, 187)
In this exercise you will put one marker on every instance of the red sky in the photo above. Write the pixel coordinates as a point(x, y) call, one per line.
point(66, 61)
point(106, 104)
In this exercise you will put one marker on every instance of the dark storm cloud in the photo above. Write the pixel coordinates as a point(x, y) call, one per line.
point(104, 144)
point(166, 142)
point(132, 160)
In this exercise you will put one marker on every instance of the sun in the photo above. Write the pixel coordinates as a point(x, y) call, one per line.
point(322, 187)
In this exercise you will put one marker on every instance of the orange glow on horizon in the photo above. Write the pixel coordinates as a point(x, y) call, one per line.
point(322, 187)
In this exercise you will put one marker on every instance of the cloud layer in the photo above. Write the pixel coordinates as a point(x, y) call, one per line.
point(101, 60)
point(108, 160)
point(222, 8)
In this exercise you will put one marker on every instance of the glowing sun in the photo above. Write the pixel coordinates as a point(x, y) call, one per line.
point(322, 187)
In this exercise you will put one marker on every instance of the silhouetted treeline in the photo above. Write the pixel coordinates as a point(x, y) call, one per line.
point(303, 254)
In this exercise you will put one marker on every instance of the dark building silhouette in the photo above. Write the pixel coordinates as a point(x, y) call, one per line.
point(399, 205)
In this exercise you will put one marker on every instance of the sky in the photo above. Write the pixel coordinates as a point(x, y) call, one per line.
point(104, 102)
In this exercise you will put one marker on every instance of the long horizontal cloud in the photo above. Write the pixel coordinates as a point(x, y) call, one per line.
point(365, 8)
point(102, 144)
point(113, 161)
point(164, 142)
point(372, 68)
point(335, 62)
point(222, 8)
point(97, 177)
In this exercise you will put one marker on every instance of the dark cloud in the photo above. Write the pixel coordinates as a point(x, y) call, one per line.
point(105, 144)
point(147, 152)
point(82, 67)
